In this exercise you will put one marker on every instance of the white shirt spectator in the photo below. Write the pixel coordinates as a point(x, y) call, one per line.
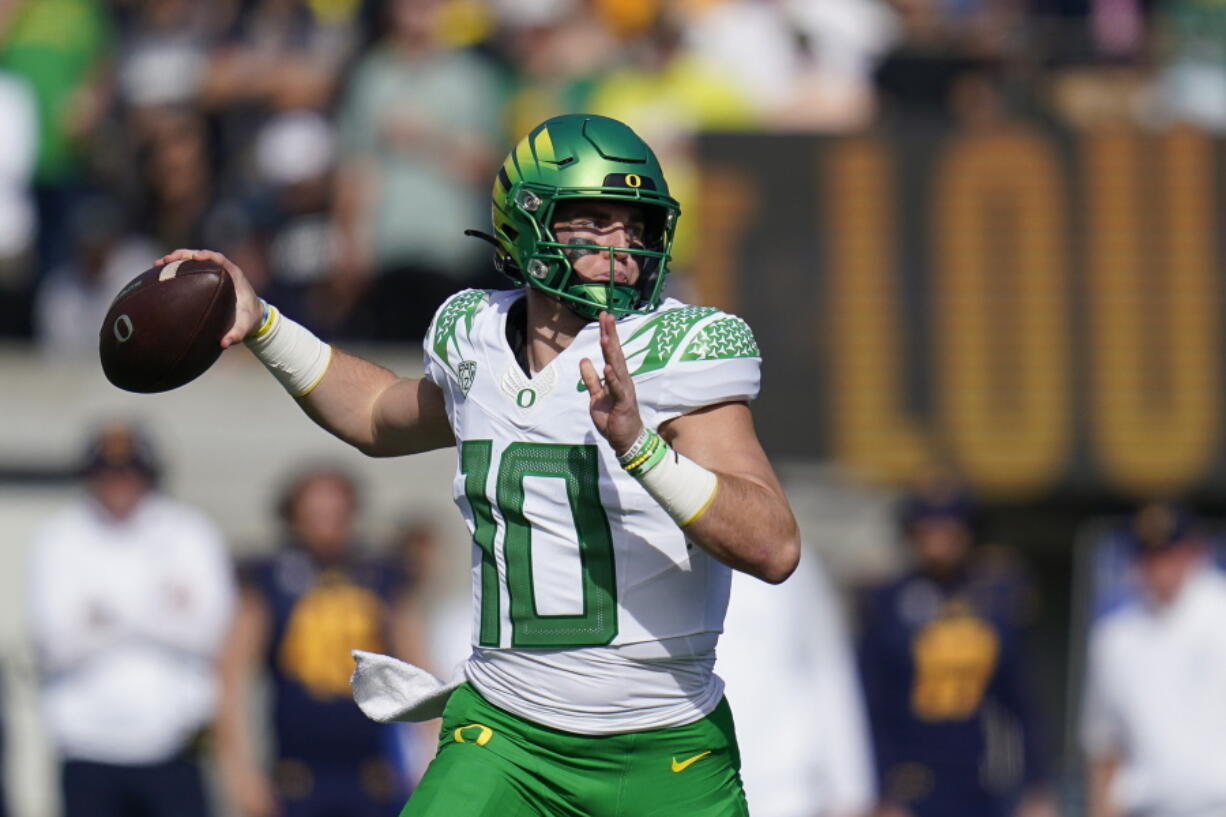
point(127, 617)
point(71, 303)
point(1156, 699)
point(758, 42)
point(18, 150)
point(791, 681)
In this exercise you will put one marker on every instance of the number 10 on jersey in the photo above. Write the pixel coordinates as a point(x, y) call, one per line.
point(578, 466)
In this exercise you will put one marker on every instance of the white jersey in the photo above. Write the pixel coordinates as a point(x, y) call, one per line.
point(592, 613)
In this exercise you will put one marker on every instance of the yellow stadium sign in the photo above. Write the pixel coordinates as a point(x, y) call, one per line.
point(1035, 309)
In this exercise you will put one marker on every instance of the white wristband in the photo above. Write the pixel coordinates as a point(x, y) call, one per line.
point(683, 488)
point(290, 351)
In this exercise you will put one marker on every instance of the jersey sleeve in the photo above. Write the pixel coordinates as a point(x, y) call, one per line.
point(694, 357)
point(449, 333)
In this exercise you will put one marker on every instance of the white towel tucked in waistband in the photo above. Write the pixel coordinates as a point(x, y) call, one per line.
point(387, 689)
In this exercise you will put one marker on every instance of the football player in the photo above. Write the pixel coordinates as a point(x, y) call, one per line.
point(610, 474)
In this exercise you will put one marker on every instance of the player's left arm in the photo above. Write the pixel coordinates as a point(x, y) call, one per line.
point(745, 520)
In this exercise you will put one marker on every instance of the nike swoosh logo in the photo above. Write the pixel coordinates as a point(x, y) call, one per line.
point(688, 762)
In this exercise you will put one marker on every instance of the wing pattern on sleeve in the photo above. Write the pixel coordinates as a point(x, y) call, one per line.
point(729, 337)
point(654, 344)
point(710, 357)
point(454, 316)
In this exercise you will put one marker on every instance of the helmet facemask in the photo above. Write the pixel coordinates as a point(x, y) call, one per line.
point(550, 263)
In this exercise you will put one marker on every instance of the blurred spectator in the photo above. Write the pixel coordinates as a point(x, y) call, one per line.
point(130, 595)
point(975, 27)
point(300, 613)
point(805, 65)
point(18, 226)
point(440, 596)
point(61, 48)
point(163, 61)
point(669, 90)
point(944, 673)
point(556, 51)
point(790, 643)
point(952, 58)
point(179, 200)
point(669, 94)
point(1154, 713)
point(417, 129)
point(843, 41)
point(1118, 27)
point(72, 301)
point(1083, 32)
point(441, 602)
point(292, 247)
point(285, 54)
point(1191, 83)
point(276, 57)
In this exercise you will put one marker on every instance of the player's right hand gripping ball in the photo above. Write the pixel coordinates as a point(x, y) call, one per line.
point(165, 327)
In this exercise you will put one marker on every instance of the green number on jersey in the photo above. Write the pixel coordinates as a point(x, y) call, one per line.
point(578, 467)
point(475, 465)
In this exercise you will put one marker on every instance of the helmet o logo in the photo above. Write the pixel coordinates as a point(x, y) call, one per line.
point(123, 329)
point(634, 180)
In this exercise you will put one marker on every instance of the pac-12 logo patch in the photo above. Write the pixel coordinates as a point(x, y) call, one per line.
point(468, 373)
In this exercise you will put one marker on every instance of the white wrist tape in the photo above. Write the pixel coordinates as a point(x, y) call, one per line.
point(683, 488)
point(295, 357)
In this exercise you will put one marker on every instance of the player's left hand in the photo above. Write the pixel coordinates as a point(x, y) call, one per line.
point(614, 405)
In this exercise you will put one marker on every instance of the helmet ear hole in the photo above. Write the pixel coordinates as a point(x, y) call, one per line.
point(657, 219)
point(648, 280)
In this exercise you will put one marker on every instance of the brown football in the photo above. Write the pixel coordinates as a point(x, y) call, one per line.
point(164, 328)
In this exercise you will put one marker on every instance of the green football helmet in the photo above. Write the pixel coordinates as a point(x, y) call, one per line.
point(581, 156)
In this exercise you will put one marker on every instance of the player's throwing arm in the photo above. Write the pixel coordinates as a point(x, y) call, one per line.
point(364, 404)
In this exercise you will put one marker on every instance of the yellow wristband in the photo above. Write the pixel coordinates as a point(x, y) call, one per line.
point(271, 314)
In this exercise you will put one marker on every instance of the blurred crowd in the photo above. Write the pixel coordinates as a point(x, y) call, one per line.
point(914, 695)
point(337, 148)
point(158, 656)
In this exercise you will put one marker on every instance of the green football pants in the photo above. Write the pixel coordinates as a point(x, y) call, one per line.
point(491, 763)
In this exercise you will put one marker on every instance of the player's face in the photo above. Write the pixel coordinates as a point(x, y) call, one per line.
point(607, 224)
point(322, 517)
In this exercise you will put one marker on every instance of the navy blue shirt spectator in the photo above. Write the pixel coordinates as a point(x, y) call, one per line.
point(301, 613)
point(944, 676)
